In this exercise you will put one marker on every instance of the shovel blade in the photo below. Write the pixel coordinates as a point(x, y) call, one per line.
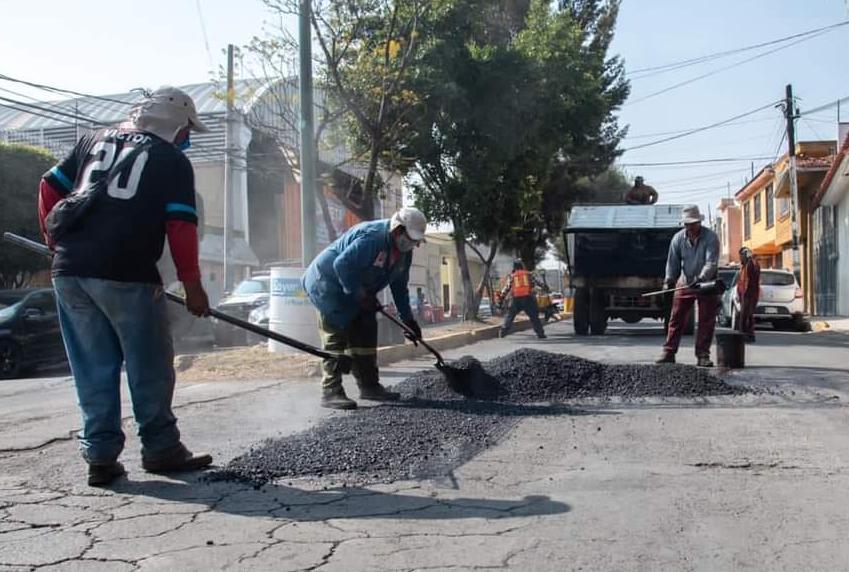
point(469, 379)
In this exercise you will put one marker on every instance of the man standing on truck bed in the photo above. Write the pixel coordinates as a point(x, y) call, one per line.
point(692, 259)
point(641, 194)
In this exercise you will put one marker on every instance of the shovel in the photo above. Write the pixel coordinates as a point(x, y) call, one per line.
point(461, 380)
point(343, 362)
point(710, 287)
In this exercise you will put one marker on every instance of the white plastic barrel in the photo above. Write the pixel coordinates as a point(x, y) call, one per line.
point(291, 313)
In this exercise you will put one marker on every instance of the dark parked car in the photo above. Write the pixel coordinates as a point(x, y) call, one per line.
point(29, 331)
point(250, 294)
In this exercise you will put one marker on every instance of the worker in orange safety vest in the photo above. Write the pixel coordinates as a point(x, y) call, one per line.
point(521, 283)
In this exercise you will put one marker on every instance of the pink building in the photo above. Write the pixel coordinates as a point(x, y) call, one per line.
point(728, 221)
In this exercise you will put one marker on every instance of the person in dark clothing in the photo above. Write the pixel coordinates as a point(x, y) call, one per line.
point(521, 283)
point(748, 292)
point(110, 298)
point(641, 194)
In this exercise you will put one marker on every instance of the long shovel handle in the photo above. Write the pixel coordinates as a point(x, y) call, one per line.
point(345, 359)
point(277, 337)
point(667, 291)
point(409, 331)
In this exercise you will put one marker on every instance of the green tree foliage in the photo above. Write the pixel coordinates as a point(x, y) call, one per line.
point(367, 54)
point(516, 108)
point(21, 167)
point(580, 89)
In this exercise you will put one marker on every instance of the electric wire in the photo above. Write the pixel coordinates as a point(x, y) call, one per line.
point(702, 128)
point(716, 55)
point(719, 70)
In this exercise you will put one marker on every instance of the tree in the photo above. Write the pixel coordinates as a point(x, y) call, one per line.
point(466, 134)
point(21, 166)
point(581, 89)
point(367, 55)
point(510, 121)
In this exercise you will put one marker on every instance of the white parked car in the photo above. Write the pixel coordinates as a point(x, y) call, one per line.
point(780, 301)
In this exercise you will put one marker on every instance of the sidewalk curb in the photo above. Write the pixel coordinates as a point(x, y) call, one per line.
point(390, 354)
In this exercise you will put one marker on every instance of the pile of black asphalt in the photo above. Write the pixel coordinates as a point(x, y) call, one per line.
point(432, 429)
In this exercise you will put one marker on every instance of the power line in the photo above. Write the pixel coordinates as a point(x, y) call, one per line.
point(62, 91)
point(703, 128)
point(205, 37)
point(722, 69)
point(677, 131)
point(826, 106)
point(694, 162)
point(716, 55)
point(48, 110)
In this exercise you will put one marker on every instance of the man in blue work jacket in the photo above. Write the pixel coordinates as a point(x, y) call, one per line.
point(343, 281)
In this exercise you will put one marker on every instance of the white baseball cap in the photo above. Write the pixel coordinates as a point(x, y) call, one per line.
point(413, 221)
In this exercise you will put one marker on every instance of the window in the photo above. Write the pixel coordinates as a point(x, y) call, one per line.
point(783, 207)
point(747, 220)
point(758, 208)
point(770, 207)
point(777, 279)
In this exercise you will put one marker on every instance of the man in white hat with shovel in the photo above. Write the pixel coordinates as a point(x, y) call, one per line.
point(693, 255)
point(111, 303)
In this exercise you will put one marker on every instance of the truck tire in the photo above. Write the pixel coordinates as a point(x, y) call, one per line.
point(632, 318)
point(598, 317)
point(581, 312)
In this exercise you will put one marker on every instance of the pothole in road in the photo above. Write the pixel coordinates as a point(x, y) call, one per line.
point(432, 430)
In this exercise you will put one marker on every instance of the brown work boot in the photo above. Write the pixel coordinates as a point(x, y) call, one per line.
point(101, 475)
point(376, 392)
point(335, 398)
point(704, 362)
point(179, 461)
point(666, 357)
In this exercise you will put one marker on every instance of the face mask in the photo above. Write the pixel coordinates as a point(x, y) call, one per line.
point(185, 144)
point(405, 243)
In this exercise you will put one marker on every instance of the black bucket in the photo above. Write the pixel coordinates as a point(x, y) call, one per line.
point(731, 350)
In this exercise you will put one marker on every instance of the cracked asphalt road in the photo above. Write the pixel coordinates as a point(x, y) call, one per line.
point(753, 482)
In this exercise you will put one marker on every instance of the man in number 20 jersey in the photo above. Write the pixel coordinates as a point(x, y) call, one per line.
point(111, 302)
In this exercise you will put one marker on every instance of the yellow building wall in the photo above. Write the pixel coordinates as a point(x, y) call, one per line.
point(762, 239)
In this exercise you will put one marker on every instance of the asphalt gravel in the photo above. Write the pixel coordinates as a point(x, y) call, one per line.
point(433, 429)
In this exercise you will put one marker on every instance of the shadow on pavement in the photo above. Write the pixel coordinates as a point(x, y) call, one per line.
point(290, 503)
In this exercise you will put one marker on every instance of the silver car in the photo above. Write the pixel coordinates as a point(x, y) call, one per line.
point(780, 302)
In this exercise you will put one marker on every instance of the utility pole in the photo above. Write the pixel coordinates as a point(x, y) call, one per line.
point(791, 116)
point(228, 167)
point(307, 136)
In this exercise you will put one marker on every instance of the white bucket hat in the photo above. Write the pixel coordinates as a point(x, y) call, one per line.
point(691, 214)
point(166, 111)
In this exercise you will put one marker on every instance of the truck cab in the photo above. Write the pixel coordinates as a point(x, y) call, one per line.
point(615, 254)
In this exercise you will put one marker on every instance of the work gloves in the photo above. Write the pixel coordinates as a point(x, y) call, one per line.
point(414, 329)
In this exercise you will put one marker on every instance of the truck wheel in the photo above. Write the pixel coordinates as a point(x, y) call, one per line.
point(598, 317)
point(631, 318)
point(581, 312)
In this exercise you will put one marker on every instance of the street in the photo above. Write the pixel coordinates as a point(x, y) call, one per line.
point(753, 482)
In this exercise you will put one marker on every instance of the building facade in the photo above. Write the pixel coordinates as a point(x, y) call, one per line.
point(831, 233)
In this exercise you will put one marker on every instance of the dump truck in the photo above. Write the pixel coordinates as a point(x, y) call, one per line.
point(614, 255)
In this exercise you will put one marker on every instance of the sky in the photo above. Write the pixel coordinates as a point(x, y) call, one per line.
point(111, 47)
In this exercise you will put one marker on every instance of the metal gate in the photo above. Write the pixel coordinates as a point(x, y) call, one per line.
point(825, 261)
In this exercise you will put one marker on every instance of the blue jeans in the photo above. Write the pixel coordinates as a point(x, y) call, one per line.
point(106, 324)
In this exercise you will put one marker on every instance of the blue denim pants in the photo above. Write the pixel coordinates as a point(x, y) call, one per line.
point(106, 324)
